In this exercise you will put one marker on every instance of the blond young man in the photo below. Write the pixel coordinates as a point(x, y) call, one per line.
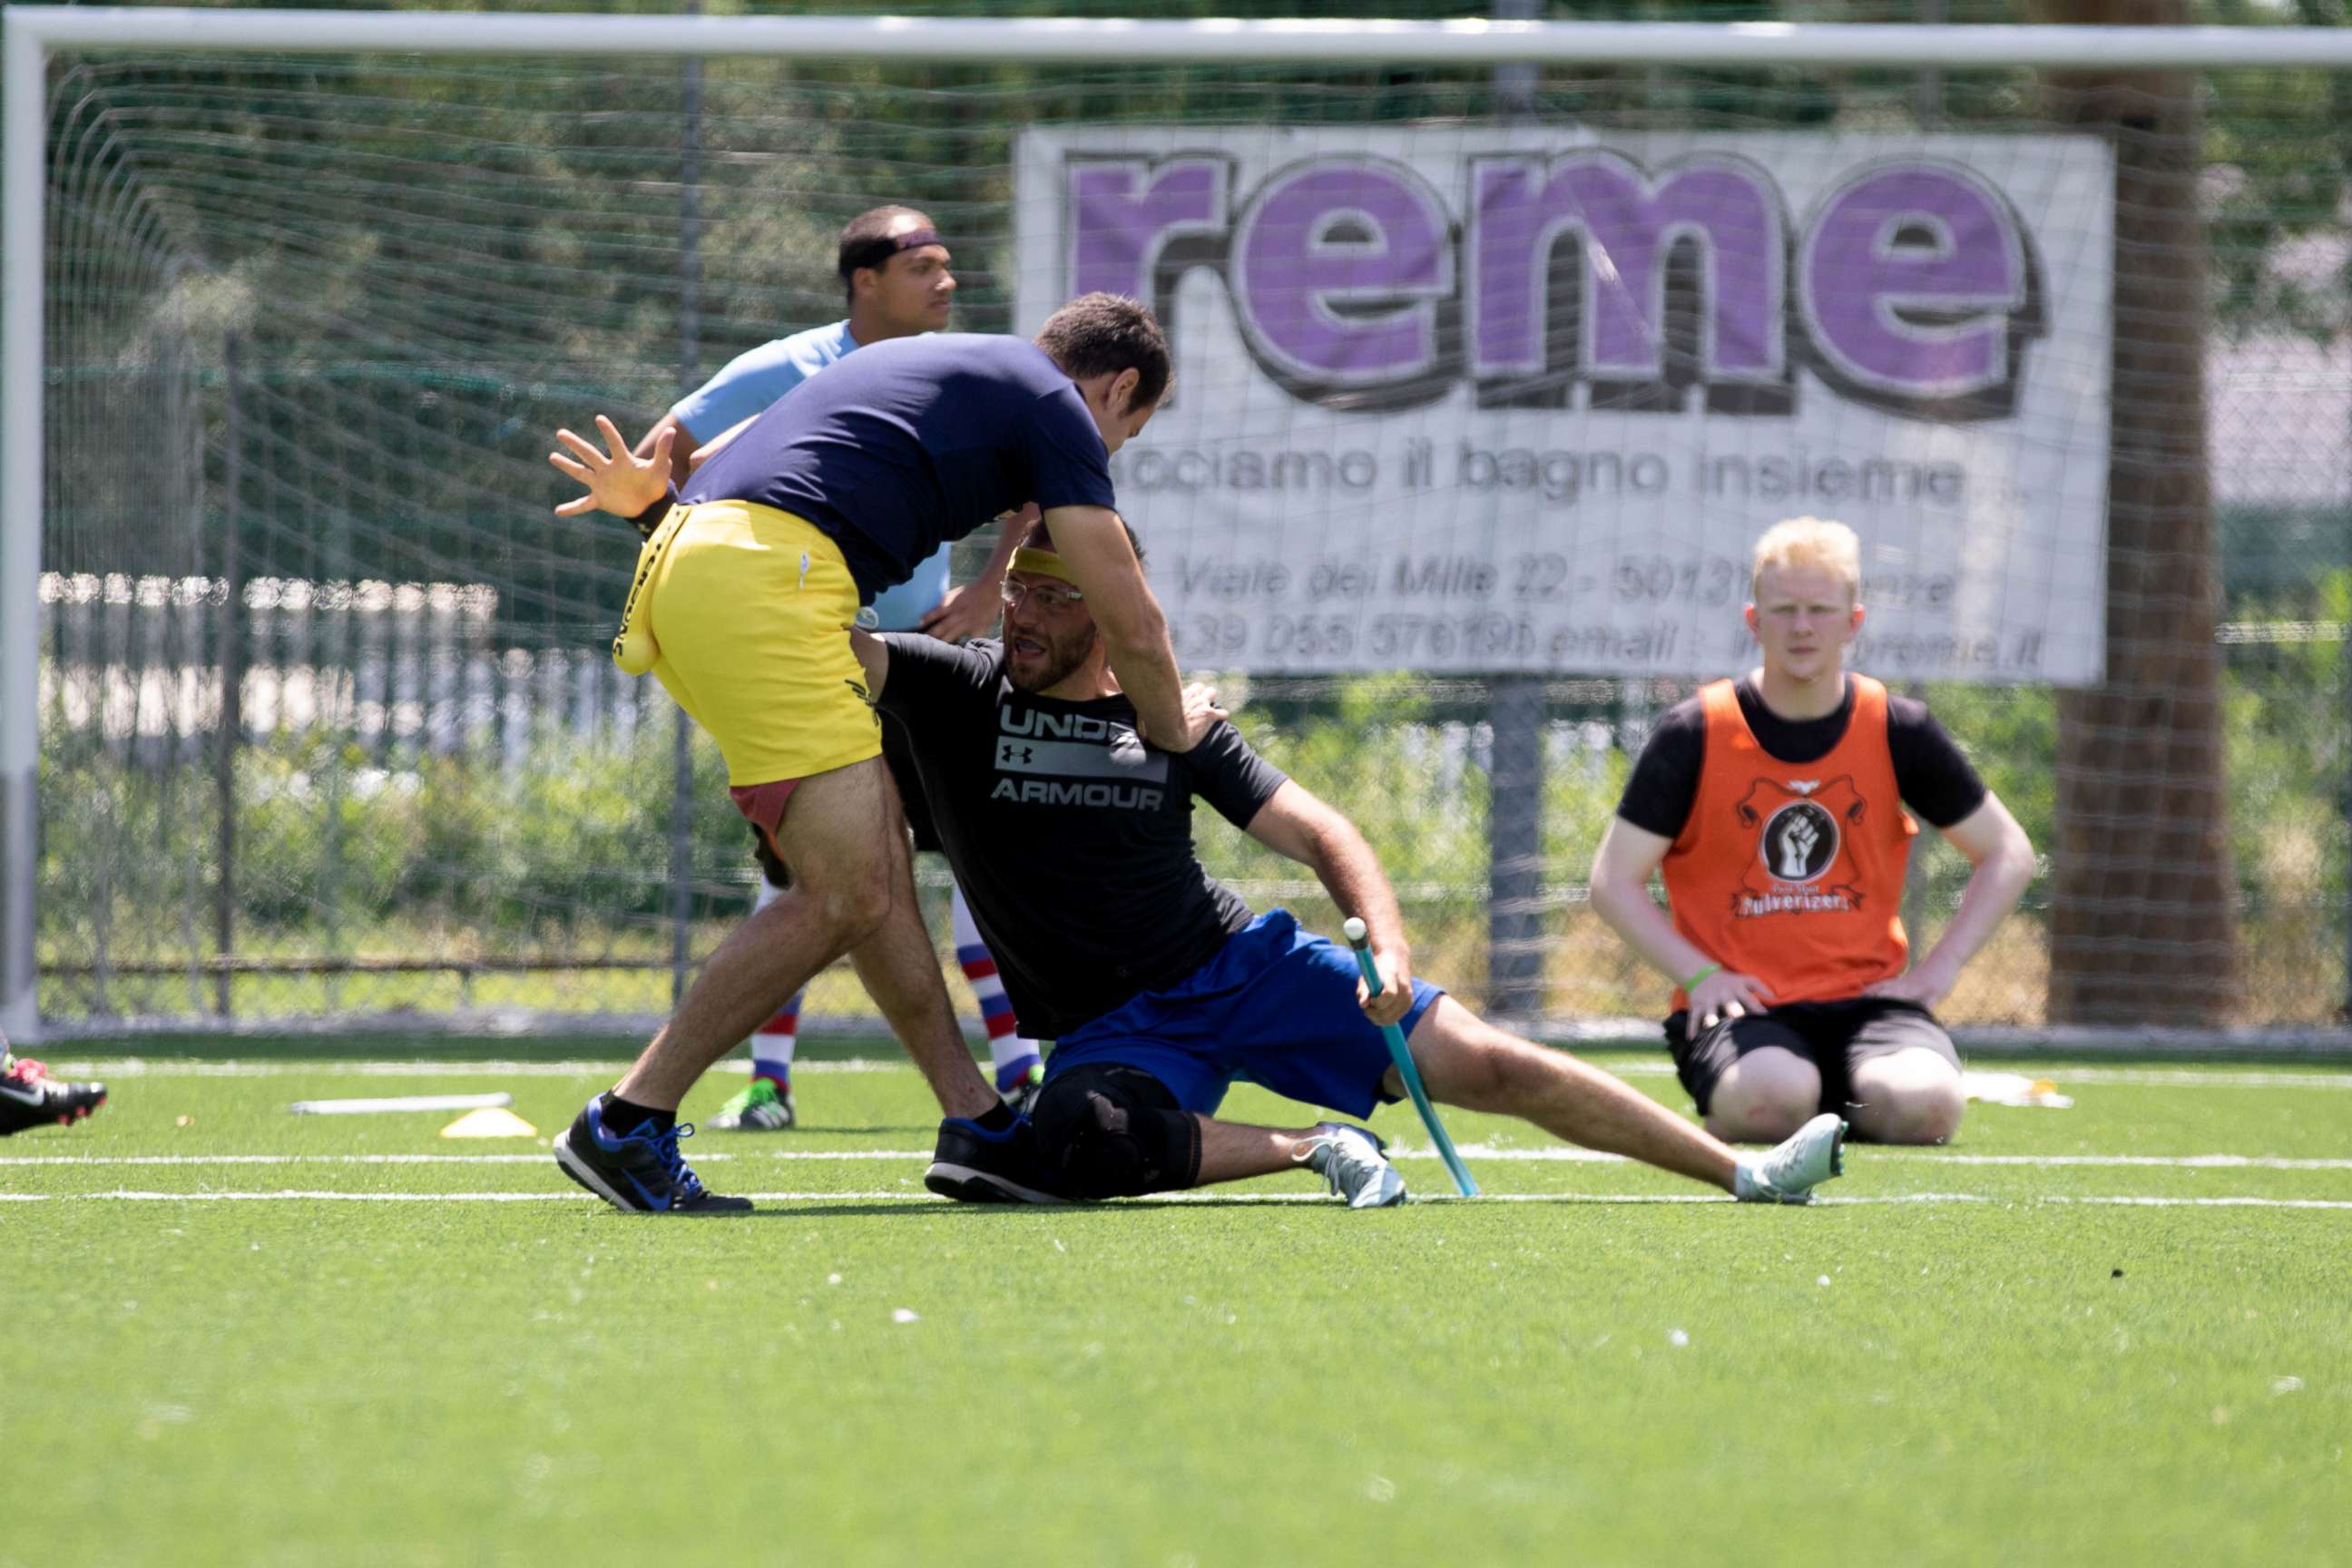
point(1774, 806)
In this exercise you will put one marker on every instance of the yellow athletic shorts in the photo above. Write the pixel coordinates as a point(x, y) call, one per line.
point(748, 610)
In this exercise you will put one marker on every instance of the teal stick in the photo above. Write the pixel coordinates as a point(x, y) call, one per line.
point(1358, 935)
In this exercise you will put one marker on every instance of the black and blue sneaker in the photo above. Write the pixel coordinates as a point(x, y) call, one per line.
point(640, 1171)
point(974, 1165)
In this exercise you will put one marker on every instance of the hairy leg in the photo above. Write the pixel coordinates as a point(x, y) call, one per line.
point(1465, 1061)
point(1764, 1096)
point(1907, 1096)
point(835, 836)
point(1235, 1150)
point(902, 972)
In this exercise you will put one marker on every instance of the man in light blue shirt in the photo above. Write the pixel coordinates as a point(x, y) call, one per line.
point(894, 270)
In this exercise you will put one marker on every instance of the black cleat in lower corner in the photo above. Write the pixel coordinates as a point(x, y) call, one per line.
point(29, 1096)
point(973, 1165)
point(640, 1171)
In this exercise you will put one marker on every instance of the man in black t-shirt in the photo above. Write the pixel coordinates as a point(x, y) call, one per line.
point(1775, 808)
point(1072, 839)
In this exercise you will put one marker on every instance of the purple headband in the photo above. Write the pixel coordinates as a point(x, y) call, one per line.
point(875, 252)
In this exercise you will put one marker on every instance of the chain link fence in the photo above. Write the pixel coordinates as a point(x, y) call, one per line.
point(328, 729)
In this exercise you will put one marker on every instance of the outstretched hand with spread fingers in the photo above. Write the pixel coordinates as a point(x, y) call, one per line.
point(617, 482)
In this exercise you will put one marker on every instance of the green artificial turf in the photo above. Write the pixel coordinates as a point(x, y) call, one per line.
point(861, 1374)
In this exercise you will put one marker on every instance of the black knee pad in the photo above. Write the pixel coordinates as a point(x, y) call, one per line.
point(1115, 1132)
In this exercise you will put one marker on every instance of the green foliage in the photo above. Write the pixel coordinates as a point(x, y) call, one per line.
point(569, 844)
point(2287, 718)
point(1409, 788)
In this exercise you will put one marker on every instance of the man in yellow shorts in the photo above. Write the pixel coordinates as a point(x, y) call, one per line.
point(893, 268)
point(742, 604)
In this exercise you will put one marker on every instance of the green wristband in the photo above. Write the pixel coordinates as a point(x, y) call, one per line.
point(1691, 983)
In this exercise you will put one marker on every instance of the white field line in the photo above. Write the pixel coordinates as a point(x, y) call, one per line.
point(1872, 1156)
point(140, 1067)
point(136, 1066)
point(1560, 1155)
point(2182, 1078)
point(123, 1195)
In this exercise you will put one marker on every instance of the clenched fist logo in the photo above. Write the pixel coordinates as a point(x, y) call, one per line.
point(1799, 841)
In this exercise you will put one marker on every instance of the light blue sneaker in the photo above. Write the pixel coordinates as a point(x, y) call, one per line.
point(1354, 1165)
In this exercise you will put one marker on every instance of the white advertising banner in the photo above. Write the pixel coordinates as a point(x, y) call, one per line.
point(1521, 399)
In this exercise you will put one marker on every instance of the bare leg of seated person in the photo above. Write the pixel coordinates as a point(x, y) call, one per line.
point(1909, 1096)
point(1111, 1130)
point(1763, 1097)
point(1235, 1151)
point(1468, 1062)
point(1350, 1159)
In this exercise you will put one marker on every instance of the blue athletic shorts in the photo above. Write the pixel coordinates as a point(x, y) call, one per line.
point(1276, 1006)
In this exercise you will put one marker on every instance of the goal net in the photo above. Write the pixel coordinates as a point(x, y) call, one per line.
point(1488, 375)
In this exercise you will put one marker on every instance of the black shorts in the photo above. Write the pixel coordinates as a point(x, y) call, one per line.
point(1832, 1036)
point(899, 753)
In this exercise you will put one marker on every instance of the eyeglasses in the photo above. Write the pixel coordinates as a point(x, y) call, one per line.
point(1050, 598)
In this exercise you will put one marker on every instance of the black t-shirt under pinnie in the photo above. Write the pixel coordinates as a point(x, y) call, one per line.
point(1931, 772)
point(1071, 838)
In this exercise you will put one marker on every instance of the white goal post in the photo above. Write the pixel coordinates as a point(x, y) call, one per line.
point(33, 34)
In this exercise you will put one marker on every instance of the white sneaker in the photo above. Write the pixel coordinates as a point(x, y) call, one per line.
point(1352, 1164)
point(1789, 1171)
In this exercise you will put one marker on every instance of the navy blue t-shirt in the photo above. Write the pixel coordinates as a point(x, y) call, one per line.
point(909, 444)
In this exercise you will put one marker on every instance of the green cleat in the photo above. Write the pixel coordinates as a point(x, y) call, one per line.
point(761, 1107)
point(1022, 1097)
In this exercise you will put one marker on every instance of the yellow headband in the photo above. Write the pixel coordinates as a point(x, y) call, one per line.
point(1043, 563)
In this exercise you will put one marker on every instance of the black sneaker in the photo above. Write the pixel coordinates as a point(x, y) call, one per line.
point(977, 1166)
point(639, 1172)
point(29, 1096)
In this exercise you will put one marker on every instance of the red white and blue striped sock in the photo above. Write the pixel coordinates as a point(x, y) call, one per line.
point(771, 1047)
point(1014, 1054)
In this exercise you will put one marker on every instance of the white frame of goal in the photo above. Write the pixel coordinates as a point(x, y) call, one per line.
point(33, 32)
